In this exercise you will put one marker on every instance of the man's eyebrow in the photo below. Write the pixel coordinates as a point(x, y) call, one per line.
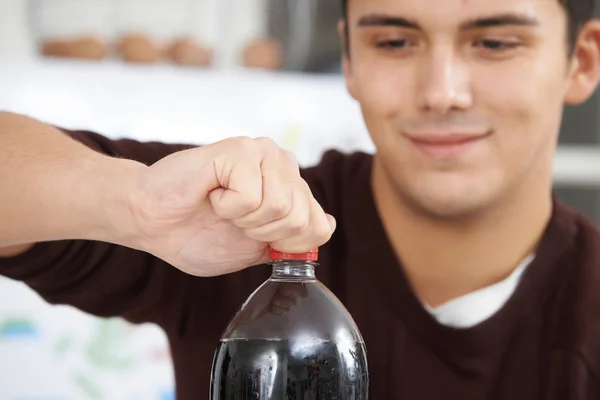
point(508, 19)
point(387, 20)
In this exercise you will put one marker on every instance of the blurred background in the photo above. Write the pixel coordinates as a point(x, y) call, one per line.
point(193, 71)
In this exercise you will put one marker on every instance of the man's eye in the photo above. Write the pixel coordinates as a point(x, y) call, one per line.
point(496, 45)
point(392, 44)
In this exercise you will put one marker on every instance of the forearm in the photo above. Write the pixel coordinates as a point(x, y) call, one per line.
point(54, 188)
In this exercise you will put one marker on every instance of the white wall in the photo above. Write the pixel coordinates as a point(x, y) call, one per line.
point(15, 38)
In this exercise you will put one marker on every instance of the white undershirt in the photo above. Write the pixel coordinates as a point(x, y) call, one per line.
point(475, 307)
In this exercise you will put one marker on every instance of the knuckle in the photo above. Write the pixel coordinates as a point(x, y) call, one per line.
point(298, 224)
point(289, 160)
point(238, 141)
point(267, 145)
point(242, 144)
point(278, 208)
point(266, 142)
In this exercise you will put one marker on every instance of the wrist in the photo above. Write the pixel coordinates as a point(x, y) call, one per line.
point(116, 221)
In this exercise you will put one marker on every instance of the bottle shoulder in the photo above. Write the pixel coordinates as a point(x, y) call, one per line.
point(292, 309)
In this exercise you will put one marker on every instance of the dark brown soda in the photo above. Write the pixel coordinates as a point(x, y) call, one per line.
point(290, 370)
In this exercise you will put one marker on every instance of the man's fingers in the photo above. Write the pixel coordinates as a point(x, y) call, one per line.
point(317, 233)
point(293, 224)
point(277, 195)
point(241, 192)
point(263, 193)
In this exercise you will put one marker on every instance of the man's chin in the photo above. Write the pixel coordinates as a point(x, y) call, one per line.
point(448, 206)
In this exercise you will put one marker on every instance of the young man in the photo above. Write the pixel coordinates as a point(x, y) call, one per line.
point(466, 278)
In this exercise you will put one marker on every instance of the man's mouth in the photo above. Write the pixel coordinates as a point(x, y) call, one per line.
point(445, 144)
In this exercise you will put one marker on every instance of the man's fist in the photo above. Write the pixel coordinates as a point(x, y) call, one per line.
point(217, 209)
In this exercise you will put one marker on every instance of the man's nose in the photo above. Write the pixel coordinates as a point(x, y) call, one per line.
point(444, 82)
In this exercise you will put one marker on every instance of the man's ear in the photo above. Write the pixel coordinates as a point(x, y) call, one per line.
point(346, 62)
point(584, 73)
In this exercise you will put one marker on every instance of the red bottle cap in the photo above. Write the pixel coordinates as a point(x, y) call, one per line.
point(312, 255)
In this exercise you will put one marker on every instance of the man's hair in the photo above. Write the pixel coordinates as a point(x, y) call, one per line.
point(578, 13)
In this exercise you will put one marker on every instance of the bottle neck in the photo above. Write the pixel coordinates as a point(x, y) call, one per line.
point(292, 269)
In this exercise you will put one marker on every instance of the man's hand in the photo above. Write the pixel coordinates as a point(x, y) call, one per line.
point(208, 211)
point(216, 209)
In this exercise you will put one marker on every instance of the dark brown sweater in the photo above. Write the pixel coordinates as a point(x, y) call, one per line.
point(543, 344)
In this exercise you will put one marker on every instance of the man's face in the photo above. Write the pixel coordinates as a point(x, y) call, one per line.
point(463, 98)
